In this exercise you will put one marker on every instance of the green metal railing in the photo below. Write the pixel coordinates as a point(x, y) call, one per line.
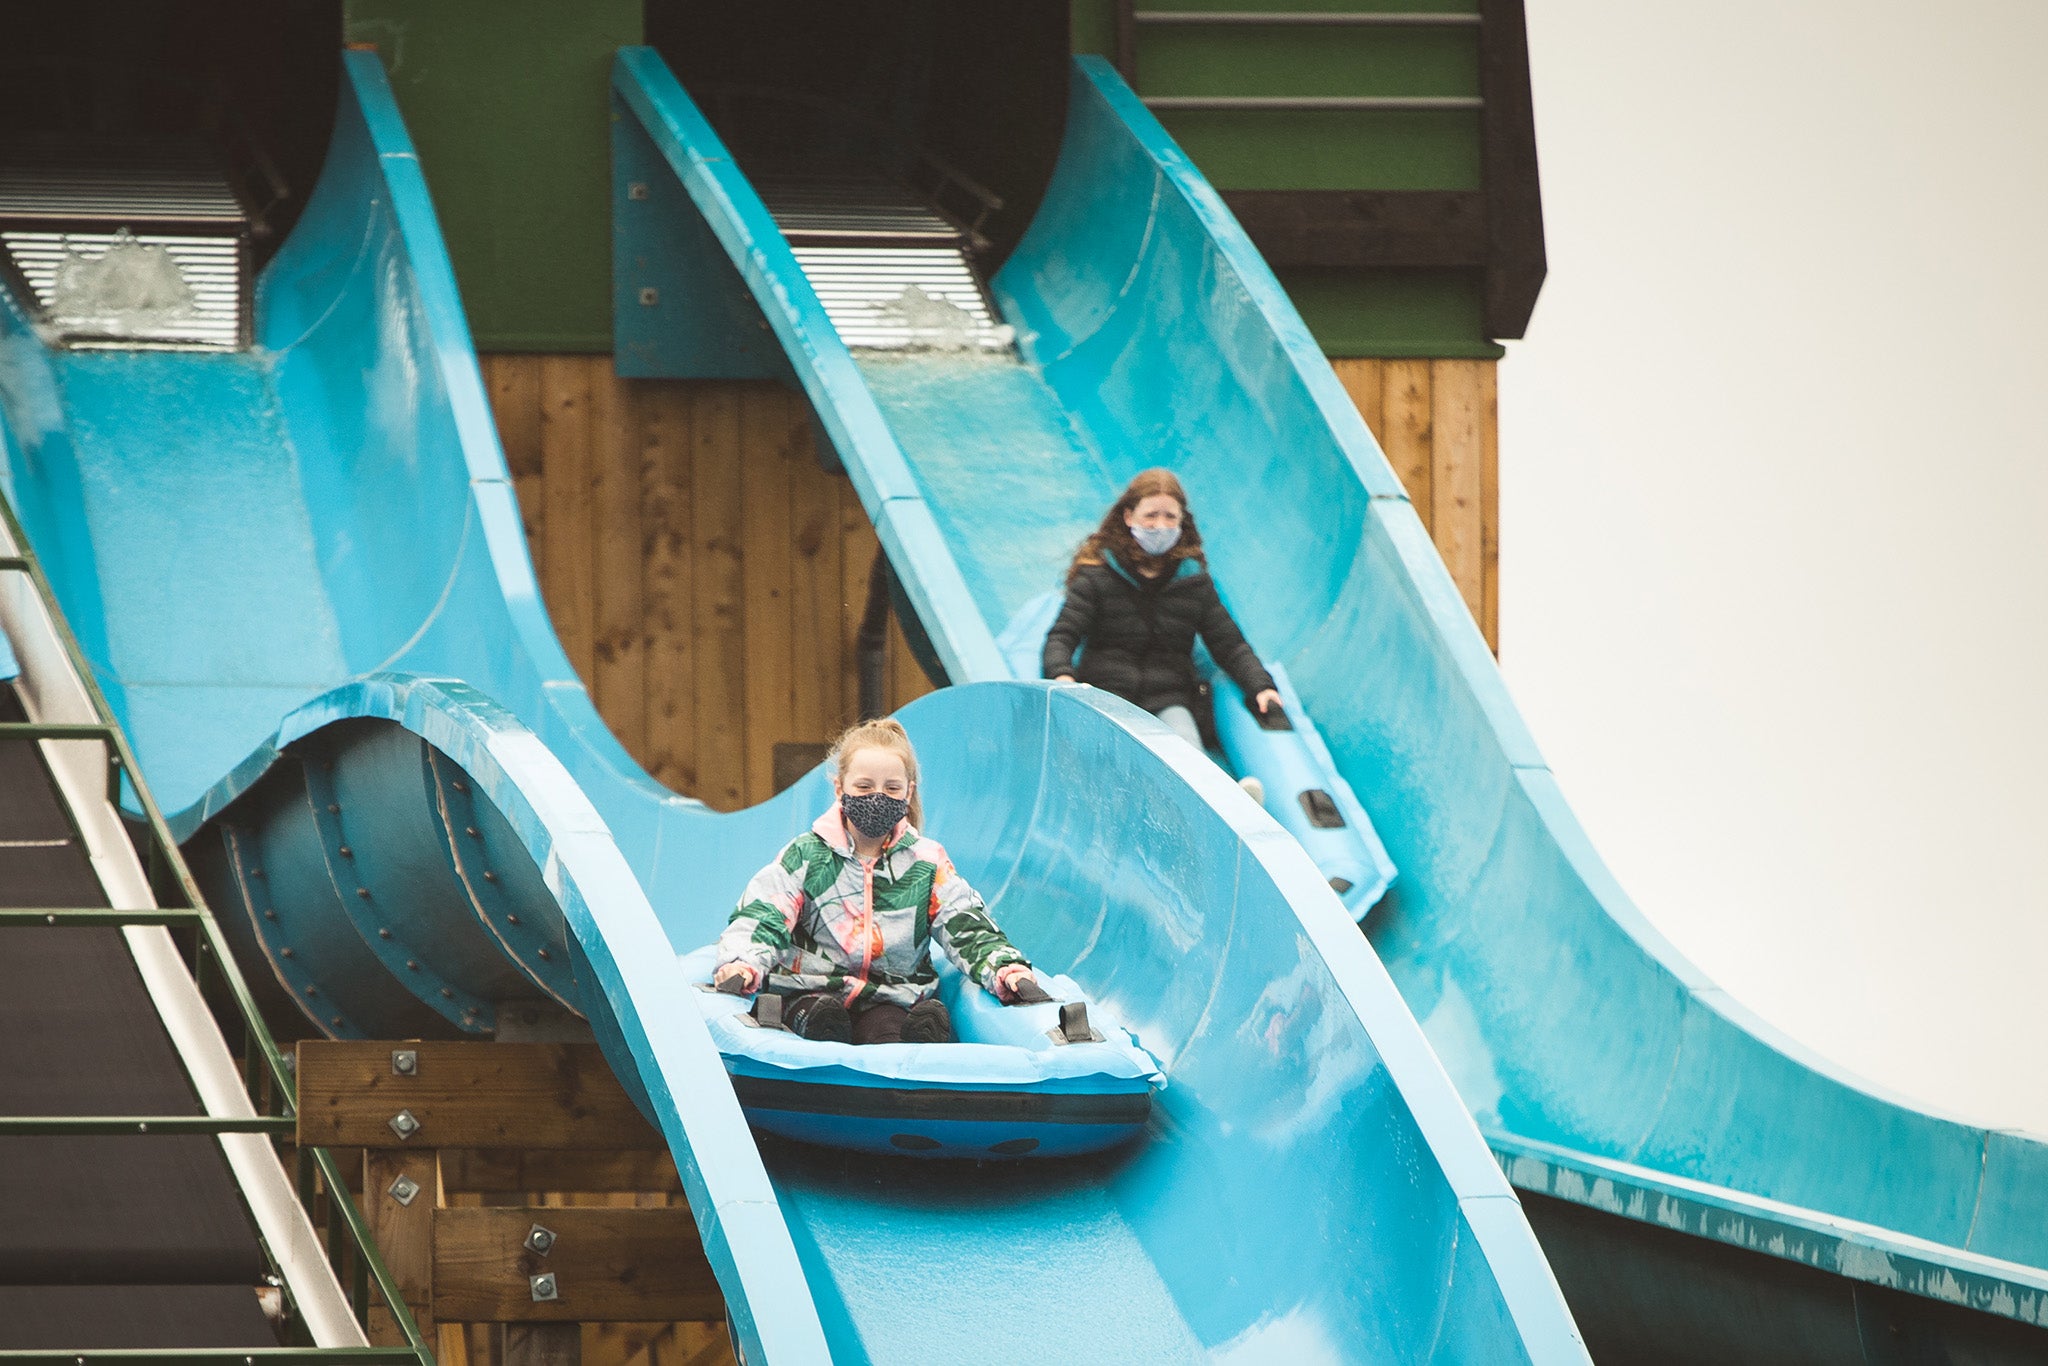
point(266, 1075)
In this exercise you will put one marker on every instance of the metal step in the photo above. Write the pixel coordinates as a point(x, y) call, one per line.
point(133, 244)
point(892, 272)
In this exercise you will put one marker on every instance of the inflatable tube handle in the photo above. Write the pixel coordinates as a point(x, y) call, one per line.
point(1273, 718)
point(1029, 993)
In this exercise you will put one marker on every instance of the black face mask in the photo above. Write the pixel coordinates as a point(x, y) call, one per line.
point(875, 814)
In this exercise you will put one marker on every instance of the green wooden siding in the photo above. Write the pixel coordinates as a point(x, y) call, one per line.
point(1382, 312)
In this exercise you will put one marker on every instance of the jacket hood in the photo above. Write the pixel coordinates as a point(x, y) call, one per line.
point(1188, 569)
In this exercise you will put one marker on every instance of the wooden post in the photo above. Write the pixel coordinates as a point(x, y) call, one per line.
point(401, 1190)
point(540, 1344)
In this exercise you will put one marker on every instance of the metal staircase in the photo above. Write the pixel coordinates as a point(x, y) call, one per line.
point(143, 1208)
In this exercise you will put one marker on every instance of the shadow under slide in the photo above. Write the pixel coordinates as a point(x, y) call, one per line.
point(300, 574)
point(1679, 1156)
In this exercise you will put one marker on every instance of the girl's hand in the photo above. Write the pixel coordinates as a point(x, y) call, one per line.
point(1007, 979)
point(1267, 700)
point(736, 979)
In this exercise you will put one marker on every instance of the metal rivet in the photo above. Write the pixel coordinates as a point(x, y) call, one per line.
point(346, 852)
point(405, 1062)
point(413, 963)
point(459, 785)
point(405, 1124)
point(287, 953)
point(312, 990)
point(636, 189)
point(448, 992)
point(333, 809)
point(334, 1020)
point(383, 933)
point(270, 915)
point(540, 1239)
point(363, 892)
point(49, 920)
point(404, 1190)
point(490, 876)
point(511, 920)
point(255, 872)
point(471, 831)
point(649, 296)
point(142, 1128)
point(545, 954)
point(544, 1288)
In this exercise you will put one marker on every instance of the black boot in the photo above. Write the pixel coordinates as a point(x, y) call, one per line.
point(818, 1017)
point(928, 1022)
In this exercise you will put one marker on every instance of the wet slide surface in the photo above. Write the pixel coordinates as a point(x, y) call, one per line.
point(301, 576)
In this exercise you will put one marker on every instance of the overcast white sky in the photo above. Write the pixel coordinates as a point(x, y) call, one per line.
point(1773, 484)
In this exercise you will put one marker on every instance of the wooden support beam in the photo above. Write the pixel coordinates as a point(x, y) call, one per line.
point(400, 1191)
point(466, 1095)
point(618, 1265)
point(499, 1171)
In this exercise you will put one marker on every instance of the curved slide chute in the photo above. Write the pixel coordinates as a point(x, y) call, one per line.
point(1658, 1126)
point(301, 575)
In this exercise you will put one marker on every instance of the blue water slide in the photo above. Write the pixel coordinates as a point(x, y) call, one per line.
point(1678, 1153)
point(299, 572)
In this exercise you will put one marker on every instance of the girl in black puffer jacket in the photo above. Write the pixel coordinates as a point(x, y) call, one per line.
point(1138, 593)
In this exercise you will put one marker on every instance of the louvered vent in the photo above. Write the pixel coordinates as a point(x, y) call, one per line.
point(126, 245)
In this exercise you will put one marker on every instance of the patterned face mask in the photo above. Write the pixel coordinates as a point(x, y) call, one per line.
point(1156, 540)
point(874, 814)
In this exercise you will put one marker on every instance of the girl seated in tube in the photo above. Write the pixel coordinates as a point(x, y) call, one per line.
point(843, 922)
point(1138, 592)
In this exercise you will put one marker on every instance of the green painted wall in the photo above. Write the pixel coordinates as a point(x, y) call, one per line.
point(508, 101)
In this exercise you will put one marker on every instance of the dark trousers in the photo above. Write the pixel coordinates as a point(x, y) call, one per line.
point(879, 1022)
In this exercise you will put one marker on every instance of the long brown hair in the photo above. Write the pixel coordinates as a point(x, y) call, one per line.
point(1114, 535)
point(886, 733)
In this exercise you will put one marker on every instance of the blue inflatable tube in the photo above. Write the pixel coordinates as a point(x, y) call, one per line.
point(1304, 790)
point(1013, 1086)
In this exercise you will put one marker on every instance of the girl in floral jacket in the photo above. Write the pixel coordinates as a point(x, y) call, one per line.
point(846, 916)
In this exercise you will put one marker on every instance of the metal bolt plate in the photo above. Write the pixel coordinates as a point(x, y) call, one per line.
point(405, 1062)
point(404, 1190)
point(540, 1239)
point(405, 1124)
point(649, 296)
point(544, 1287)
point(637, 190)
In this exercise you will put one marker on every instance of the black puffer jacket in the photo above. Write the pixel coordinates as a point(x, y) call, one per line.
point(1137, 635)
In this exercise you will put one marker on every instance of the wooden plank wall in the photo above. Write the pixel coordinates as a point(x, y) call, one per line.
point(1437, 420)
point(707, 578)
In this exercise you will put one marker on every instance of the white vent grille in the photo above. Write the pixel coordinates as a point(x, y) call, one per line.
point(892, 272)
point(210, 268)
point(902, 298)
